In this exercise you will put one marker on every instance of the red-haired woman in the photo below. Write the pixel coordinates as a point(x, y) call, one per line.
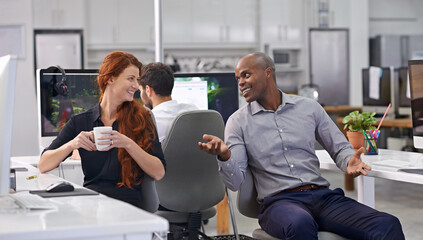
point(115, 171)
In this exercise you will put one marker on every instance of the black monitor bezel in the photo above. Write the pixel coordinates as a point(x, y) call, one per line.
point(367, 101)
point(42, 73)
point(402, 101)
point(417, 123)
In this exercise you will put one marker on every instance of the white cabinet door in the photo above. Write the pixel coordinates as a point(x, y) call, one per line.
point(120, 21)
point(273, 22)
point(177, 21)
point(43, 10)
point(58, 14)
point(280, 19)
point(240, 21)
point(208, 21)
point(135, 21)
point(102, 21)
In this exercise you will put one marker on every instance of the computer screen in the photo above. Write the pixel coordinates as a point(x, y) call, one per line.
point(402, 92)
point(217, 91)
point(54, 109)
point(377, 89)
point(416, 90)
point(7, 98)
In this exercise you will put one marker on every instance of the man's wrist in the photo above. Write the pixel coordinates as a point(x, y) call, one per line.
point(225, 156)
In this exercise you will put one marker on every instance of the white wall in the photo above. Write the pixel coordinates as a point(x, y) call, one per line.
point(25, 138)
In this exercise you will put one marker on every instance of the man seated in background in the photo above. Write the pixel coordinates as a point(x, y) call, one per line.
point(156, 90)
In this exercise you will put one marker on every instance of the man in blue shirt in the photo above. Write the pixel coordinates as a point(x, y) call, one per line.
point(274, 136)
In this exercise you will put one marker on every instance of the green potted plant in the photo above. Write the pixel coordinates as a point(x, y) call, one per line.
point(355, 123)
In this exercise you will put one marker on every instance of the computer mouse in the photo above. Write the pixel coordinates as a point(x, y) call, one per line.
point(60, 187)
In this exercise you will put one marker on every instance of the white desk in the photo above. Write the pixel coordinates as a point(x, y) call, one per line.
point(69, 169)
point(366, 184)
point(94, 217)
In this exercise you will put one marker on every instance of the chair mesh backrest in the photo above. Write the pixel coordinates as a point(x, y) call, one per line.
point(247, 197)
point(192, 182)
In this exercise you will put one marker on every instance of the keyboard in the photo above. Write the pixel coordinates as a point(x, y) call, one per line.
point(392, 163)
point(32, 201)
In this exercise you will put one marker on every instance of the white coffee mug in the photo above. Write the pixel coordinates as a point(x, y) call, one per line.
point(98, 133)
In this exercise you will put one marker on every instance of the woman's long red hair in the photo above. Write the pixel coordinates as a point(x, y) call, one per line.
point(133, 119)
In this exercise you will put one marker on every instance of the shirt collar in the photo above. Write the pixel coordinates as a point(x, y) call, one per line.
point(96, 112)
point(286, 99)
point(164, 105)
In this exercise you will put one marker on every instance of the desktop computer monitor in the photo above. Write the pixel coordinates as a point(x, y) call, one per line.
point(217, 91)
point(402, 93)
point(377, 89)
point(7, 98)
point(415, 68)
point(55, 109)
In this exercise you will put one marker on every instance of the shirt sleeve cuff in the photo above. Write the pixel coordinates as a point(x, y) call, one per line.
point(345, 158)
point(228, 165)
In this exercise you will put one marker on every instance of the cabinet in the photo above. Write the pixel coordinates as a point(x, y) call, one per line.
point(281, 20)
point(177, 21)
point(120, 22)
point(241, 20)
point(58, 14)
point(209, 21)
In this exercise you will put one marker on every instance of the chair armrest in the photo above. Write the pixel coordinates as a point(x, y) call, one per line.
point(150, 199)
point(247, 197)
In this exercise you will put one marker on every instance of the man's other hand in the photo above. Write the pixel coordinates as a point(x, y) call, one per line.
point(215, 146)
point(356, 166)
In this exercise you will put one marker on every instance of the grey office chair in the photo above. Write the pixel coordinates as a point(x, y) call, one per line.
point(149, 194)
point(248, 206)
point(191, 186)
point(150, 199)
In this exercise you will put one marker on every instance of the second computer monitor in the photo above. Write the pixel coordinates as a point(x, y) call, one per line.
point(54, 109)
point(217, 91)
point(416, 90)
point(402, 92)
point(377, 89)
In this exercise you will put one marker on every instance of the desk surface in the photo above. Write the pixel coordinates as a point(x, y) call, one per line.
point(397, 122)
point(391, 122)
point(78, 217)
point(33, 160)
point(341, 110)
point(392, 173)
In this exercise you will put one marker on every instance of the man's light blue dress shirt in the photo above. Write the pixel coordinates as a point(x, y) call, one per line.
point(278, 146)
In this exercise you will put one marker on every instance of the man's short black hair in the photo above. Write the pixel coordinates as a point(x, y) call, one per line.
point(159, 77)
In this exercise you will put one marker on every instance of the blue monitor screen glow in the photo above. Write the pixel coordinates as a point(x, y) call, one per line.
point(7, 98)
point(54, 109)
point(217, 91)
point(416, 90)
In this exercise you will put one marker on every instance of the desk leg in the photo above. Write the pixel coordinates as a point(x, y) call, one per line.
point(366, 190)
point(222, 216)
point(349, 182)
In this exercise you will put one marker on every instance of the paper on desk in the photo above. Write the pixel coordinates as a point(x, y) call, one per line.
point(374, 82)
